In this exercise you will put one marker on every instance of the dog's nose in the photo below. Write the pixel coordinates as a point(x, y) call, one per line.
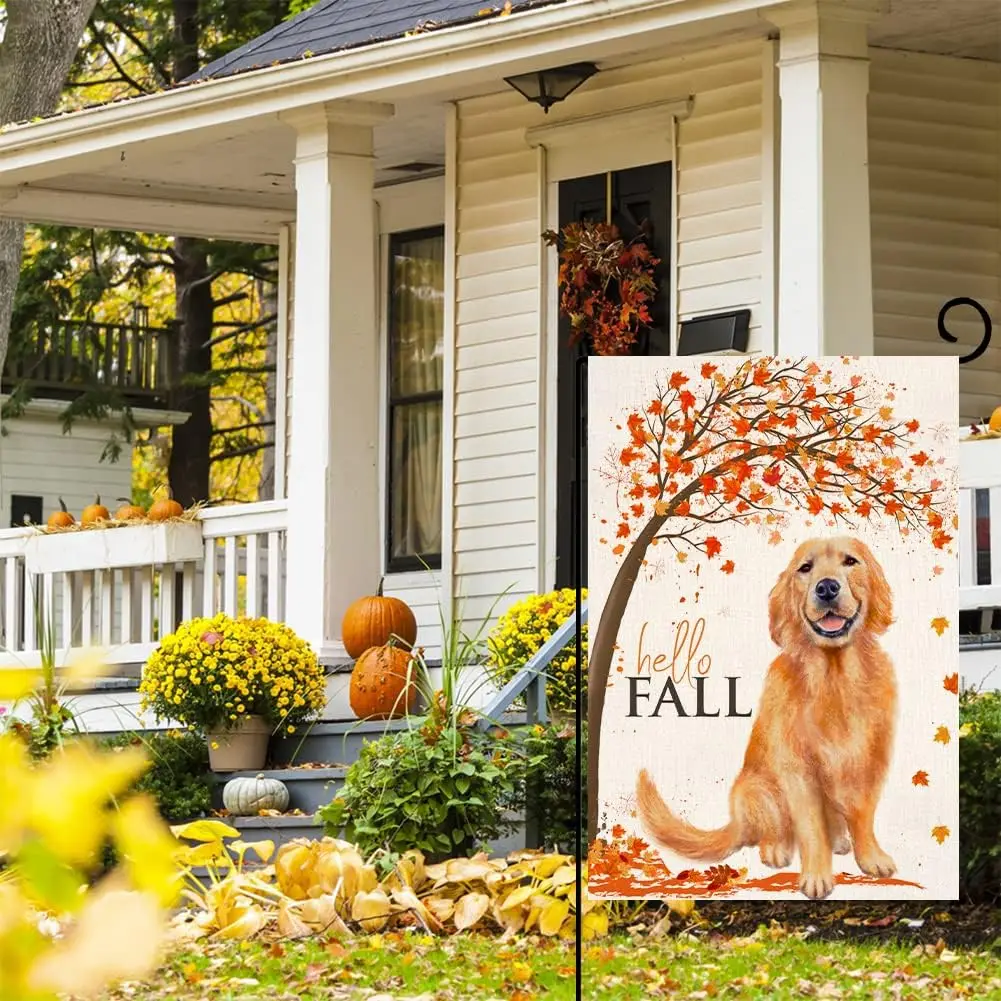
point(827, 589)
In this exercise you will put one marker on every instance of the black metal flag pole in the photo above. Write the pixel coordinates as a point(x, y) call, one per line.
point(580, 542)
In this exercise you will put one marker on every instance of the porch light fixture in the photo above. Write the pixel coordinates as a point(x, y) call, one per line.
point(548, 87)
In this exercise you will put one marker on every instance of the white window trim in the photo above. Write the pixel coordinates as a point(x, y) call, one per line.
point(591, 144)
point(402, 208)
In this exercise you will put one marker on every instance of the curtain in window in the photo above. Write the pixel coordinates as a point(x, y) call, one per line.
point(416, 375)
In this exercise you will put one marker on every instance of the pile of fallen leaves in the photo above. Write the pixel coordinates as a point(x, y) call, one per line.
point(309, 888)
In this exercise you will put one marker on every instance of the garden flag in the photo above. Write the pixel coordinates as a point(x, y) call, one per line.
point(773, 606)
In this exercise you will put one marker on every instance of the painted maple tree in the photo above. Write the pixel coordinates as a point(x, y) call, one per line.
point(752, 446)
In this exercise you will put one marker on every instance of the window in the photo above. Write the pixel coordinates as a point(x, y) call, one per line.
point(25, 510)
point(414, 460)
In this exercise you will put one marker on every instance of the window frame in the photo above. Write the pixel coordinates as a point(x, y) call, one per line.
point(422, 561)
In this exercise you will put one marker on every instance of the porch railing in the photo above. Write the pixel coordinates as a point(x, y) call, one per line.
point(125, 611)
point(530, 681)
point(77, 354)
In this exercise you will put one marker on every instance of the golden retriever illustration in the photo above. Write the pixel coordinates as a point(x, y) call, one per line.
point(821, 743)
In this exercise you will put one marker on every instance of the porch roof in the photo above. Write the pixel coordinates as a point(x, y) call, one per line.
point(334, 25)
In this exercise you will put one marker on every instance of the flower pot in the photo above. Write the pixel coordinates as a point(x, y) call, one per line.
point(244, 748)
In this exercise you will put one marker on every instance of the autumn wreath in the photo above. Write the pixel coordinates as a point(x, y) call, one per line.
point(606, 284)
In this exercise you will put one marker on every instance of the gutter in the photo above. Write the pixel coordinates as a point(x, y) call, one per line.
point(142, 416)
point(431, 57)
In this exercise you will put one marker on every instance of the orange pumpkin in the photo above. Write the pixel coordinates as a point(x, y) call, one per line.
point(61, 518)
point(380, 687)
point(129, 511)
point(165, 509)
point(374, 621)
point(95, 512)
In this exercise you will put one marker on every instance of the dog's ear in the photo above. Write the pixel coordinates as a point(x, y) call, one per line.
point(780, 610)
point(880, 615)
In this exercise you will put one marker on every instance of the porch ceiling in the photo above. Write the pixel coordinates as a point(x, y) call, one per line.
point(967, 28)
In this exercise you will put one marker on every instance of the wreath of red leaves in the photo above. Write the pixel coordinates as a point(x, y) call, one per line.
point(606, 284)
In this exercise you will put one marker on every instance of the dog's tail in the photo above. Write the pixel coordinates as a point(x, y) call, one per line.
point(672, 832)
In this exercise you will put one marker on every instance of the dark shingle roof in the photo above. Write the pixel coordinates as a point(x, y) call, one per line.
point(340, 24)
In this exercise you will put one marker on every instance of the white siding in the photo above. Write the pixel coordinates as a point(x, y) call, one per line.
point(935, 188)
point(37, 459)
point(289, 341)
point(421, 592)
point(499, 356)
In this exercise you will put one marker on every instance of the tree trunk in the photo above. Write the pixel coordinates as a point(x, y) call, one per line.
point(188, 469)
point(39, 43)
point(599, 658)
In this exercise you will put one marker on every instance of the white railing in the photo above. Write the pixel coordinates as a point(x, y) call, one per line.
point(233, 561)
point(979, 536)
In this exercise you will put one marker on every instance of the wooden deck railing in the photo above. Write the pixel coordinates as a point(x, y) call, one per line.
point(79, 354)
point(125, 610)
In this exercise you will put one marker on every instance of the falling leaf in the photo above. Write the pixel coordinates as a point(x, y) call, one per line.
point(713, 546)
point(919, 779)
point(775, 539)
point(942, 735)
point(951, 683)
point(618, 550)
point(940, 624)
point(940, 833)
point(681, 557)
point(937, 571)
point(727, 567)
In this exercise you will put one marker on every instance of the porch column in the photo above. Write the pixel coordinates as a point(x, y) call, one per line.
point(333, 539)
point(825, 260)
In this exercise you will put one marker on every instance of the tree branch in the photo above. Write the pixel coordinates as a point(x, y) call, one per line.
point(237, 452)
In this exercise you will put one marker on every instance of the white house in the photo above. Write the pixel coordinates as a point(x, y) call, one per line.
point(825, 172)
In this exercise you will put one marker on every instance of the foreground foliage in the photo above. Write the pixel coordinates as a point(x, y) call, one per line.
point(979, 801)
point(57, 818)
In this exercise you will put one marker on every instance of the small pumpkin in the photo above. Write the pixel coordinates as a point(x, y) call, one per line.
point(61, 518)
point(380, 685)
point(165, 509)
point(129, 511)
point(246, 797)
point(995, 422)
point(94, 513)
point(374, 621)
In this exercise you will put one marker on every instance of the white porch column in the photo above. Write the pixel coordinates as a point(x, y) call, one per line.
point(825, 259)
point(333, 540)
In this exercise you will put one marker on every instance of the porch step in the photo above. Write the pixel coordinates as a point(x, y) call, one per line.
point(308, 788)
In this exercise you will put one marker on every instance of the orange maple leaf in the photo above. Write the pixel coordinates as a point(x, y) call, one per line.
point(727, 567)
point(912, 426)
point(951, 683)
point(942, 735)
point(707, 370)
point(919, 458)
point(708, 484)
point(622, 532)
point(713, 546)
point(937, 570)
point(678, 379)
point(815, 504)
point(687, 401)
point(940, 624)
point(681, 557)
point(683, 508)
point(775, 538)
point(618, 550)
point(940, 833)
point(919, 779)
point(618, 830)
point(940, 539)
point(885, 413)
point(772, 475)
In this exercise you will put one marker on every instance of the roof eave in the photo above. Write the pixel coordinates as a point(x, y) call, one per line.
point(37, 149)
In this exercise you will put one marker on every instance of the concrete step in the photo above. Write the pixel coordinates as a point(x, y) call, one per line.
point(308, 788)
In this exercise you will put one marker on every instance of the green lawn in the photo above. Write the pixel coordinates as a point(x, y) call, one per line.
point(771, 964)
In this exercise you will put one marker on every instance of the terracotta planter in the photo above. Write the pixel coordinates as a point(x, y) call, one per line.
point(244, 748)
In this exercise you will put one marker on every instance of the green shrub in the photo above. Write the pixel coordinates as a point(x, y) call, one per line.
point(441, 788)
point(178, 778)
point(980, 796)
point(551, 786)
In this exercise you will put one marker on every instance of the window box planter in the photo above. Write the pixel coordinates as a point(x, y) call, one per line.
point(114, 548)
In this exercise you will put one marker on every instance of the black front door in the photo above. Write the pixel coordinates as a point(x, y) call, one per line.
point(640, 200)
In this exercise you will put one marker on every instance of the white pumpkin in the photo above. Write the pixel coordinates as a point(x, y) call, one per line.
point(246, 797)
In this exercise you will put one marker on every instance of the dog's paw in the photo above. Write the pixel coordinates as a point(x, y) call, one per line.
point(876, 863)
point(842, 844)
point(775, 855)
point(816, 885)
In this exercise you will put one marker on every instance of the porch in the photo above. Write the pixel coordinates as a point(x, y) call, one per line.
point(831, 169)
